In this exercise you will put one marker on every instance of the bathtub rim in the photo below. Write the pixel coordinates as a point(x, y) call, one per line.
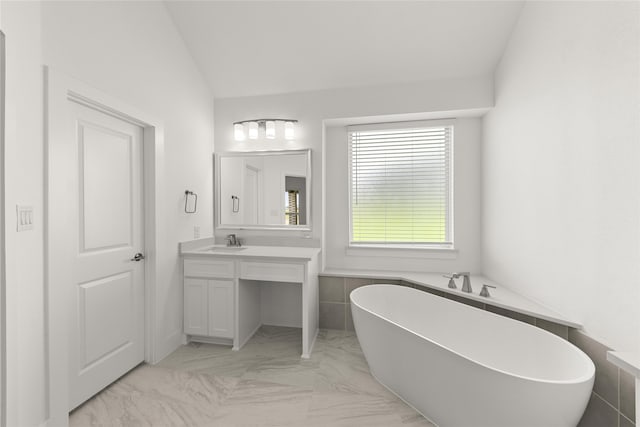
point(581, 379)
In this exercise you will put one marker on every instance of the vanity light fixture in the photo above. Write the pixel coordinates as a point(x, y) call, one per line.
point(253, 130)
point(270, 129)
point(289, 133)
point(238, 132)
point(269, 125)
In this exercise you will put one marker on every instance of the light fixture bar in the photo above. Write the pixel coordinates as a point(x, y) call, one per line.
point(262, 121)
point(269, 125)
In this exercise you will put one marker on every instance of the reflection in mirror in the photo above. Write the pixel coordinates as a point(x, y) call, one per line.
point(295, 209)
point(251, 186)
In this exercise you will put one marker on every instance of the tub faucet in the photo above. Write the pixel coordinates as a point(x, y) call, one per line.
point(485, 290)
point(466, 281)
point(452, 283)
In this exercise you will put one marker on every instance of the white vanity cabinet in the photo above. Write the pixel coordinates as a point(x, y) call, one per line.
point(230, 292)
point(209, 298)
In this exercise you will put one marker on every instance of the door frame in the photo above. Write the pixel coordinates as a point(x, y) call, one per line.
point(60, 89)
point(3, 293)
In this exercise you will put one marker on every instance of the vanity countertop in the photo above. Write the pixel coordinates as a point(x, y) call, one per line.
point(501, 297)
point(206, 248)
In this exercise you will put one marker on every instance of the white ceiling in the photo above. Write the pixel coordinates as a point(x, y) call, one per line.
point(248, 48)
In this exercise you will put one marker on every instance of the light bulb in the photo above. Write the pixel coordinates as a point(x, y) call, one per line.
point(238, 132)
point(289, 133)
point(253, 130)
point(270, 129)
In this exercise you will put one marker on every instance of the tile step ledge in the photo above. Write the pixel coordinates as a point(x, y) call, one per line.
point(627, 361)
point(501, 297)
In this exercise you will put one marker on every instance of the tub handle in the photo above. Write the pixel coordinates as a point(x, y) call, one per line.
point(485, 292)
point(452, 283)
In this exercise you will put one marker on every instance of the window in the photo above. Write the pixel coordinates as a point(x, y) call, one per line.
point(291, 210)
point(401, 189)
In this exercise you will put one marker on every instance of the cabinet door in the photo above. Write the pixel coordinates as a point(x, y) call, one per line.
point(196, 306)
point(221, 308)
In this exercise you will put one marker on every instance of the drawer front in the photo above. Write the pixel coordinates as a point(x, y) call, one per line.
point(272, 271)
point(209, 268)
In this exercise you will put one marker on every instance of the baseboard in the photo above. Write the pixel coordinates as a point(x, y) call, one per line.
point(210, 340)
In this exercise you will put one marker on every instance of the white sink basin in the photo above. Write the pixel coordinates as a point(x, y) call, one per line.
point(223, 249)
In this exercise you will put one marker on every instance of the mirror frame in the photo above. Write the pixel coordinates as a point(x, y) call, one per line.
point(217, 191)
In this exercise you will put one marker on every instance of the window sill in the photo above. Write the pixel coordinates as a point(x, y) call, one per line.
point(402, 251)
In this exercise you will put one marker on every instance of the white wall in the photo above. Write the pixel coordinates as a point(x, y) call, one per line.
point(280, 304)
point(466, 182)
point(130, 51)
point(315, 109)
point(26, 384)
point(561, 193)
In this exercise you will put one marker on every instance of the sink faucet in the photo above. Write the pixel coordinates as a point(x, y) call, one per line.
point(232, 240)
point(466, 281)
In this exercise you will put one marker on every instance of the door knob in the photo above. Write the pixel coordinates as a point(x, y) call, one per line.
point(137, 257)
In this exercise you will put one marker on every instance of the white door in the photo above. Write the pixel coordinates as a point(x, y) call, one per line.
point(251, 191)
point(106, 334)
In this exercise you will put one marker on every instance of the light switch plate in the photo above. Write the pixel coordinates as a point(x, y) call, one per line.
point(25, 217)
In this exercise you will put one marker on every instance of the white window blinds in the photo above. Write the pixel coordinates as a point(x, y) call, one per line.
point(401, 185)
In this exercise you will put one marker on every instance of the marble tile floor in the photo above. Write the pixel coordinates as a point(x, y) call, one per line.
point(264, 384)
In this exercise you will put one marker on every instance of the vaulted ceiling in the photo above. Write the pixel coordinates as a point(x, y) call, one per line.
point(247, 48)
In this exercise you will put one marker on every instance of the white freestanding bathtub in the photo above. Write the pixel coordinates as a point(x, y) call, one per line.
point(464, 367)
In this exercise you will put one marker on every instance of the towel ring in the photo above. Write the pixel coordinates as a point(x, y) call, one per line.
point(188, 193)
